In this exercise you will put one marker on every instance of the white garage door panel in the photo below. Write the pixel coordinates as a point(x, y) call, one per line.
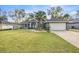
point(58, 26)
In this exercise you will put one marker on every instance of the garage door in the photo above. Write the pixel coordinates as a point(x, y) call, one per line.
point(57, 26)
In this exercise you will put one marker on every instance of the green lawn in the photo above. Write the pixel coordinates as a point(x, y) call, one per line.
point(27, 41)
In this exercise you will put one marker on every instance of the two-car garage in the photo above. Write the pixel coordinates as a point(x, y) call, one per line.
point(57, 26)
point(63, 25)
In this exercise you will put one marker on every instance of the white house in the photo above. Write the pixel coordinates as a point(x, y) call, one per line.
point(5, 26)
point(52, 25)
point(8, 25)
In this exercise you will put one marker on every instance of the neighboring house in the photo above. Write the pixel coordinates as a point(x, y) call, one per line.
point(3, 23)
point(9, 25)
point(5, 26)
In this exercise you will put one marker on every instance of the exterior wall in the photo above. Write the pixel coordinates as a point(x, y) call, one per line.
point(30, 25)
point(57, 26)
point(72, 25)
point(15, 26)
point(7, 26)
point(0, 26)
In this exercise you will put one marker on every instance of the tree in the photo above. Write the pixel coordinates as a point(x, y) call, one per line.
point(77, 14)
point(55, 12)
point(1, 11)
point(11, 14)
point(3, 16)
point(66, 17)
point(17, 14)
point(31, 16)
point(40, 16)
point(3, 19)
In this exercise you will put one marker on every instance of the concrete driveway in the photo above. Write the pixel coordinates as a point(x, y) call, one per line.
point(70, 36)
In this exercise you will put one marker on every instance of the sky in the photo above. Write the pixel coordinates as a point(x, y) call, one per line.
point(30, 8)
point(71, 9)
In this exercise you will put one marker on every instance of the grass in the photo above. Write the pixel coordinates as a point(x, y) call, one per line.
point(27, 41)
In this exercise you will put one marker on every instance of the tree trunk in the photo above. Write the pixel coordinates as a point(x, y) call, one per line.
point(40, 25)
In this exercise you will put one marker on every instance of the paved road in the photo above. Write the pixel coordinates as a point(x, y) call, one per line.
point(70, 36)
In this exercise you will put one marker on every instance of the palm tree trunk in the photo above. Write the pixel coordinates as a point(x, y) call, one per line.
point(40, 25)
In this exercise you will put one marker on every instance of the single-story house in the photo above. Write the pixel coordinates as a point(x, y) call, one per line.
point(49, 24)
point(4, 24)
point(53, 25)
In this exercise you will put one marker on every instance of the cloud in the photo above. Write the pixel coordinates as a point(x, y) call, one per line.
point(73, 12)
point(28, 11)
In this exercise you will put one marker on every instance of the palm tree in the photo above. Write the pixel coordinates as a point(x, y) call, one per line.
point(40, 16)
point(55, 12)
point(66, 17)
